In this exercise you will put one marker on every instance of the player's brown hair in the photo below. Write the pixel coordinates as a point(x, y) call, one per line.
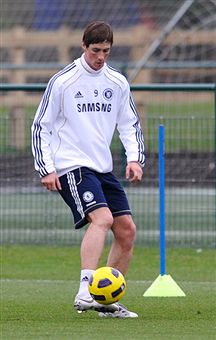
point(97, 32)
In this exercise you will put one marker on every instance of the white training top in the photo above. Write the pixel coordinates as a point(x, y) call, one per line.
point(76, 119)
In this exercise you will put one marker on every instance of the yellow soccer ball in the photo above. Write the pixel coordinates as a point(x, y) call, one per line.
point(107, 285)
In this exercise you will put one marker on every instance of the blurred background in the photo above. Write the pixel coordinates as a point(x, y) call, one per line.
point(166, 47)
point(174, 40)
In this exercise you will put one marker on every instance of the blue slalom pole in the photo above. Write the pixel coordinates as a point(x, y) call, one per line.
point(162, 201)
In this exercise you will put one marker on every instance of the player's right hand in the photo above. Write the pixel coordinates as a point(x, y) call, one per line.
point(51, 182)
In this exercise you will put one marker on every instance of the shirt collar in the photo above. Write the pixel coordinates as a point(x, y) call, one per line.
point(88, 68)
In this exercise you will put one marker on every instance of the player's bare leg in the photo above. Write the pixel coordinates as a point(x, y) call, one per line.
point(92, 244)
point(121, 251)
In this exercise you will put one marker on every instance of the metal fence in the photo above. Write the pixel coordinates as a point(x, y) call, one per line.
point(31, 215)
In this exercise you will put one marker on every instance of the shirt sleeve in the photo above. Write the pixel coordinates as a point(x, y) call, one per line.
point(46, 114)
point(129, 128)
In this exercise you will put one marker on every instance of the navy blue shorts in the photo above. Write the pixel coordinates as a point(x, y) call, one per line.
point(85, 190)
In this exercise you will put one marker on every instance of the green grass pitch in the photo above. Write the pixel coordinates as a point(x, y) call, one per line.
point(189, 125)
point(38, 284)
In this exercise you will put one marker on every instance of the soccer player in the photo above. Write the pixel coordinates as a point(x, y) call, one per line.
point(71, 137)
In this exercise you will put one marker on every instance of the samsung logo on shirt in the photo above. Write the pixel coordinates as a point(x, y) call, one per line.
point(94, 107)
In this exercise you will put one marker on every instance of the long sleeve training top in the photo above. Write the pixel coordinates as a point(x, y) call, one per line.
point(76, 119)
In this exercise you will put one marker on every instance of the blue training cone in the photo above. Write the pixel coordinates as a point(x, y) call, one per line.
point(164, 285)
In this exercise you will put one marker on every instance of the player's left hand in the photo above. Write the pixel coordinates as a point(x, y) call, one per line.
point(134, 172)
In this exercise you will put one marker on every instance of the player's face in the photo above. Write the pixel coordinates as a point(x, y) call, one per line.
point(97, 54)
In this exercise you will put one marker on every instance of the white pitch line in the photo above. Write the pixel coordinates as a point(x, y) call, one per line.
point(41, 281)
